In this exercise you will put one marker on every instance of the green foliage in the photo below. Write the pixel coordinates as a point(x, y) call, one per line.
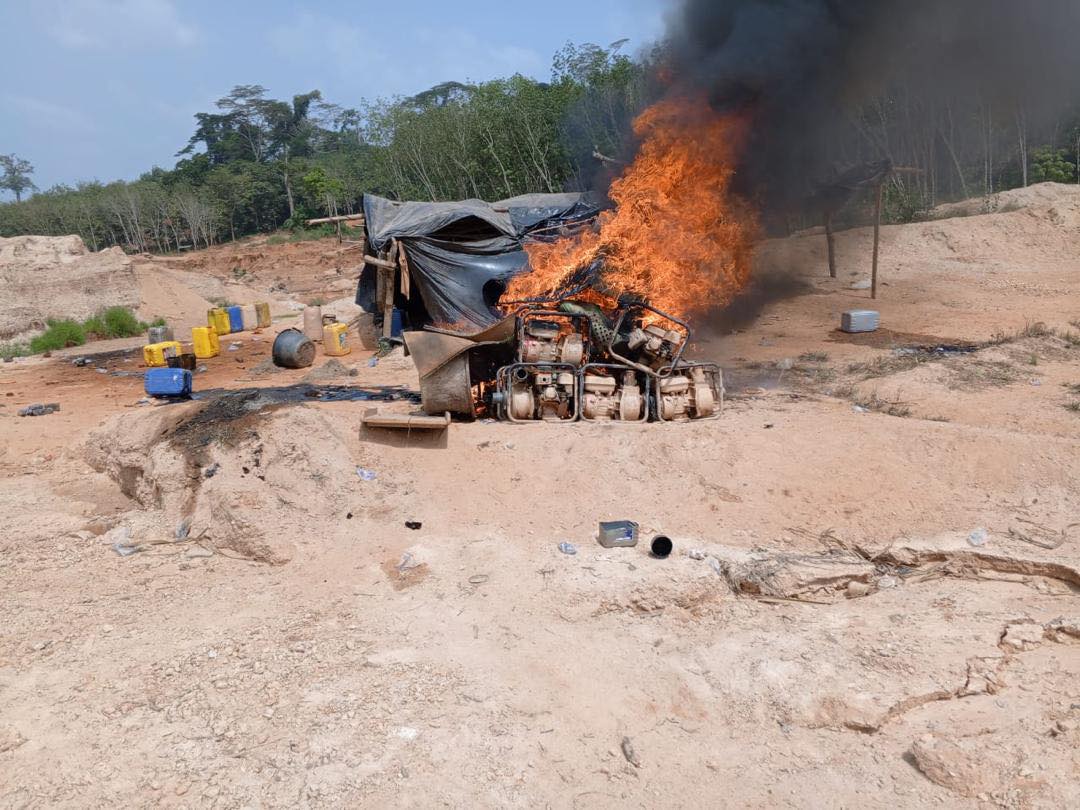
point(59, 335)
point(302, 234)
point(13, 350)
point(16, 175)
point(255, 164)
point(1048, 164)
point(121, 322)
point(116, 322)
point(902, 204)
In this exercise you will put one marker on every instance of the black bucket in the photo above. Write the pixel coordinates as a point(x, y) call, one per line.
point(661, 546)
point(292, 349)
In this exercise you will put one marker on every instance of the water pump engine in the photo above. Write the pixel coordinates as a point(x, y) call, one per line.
point(605, 397)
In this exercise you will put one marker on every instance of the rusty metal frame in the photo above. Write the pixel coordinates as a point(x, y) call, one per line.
point(502, 385)
point(709, 367)
point(639, 366)
point(646, 411)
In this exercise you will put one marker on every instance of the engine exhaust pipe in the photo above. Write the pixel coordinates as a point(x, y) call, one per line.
point(660, 546)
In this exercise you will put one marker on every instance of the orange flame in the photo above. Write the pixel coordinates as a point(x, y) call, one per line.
point(676, 236)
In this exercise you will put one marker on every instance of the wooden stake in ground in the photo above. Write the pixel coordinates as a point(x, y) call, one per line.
point(877, 236)
point(832, 247)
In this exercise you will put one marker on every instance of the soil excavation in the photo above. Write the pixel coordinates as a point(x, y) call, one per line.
point(250, 599)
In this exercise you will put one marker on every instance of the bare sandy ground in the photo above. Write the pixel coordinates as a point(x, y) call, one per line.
point(831, 631)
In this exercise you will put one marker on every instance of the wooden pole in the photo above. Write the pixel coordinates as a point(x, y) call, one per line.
point(877, 237)
point(390, 258)
point(832, 246)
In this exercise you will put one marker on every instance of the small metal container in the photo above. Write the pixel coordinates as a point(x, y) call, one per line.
point(618, 533)
point(859, 320)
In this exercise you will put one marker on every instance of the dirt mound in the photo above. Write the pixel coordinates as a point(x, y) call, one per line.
point(233, 476)
point(1040, 197)
point(44, 277)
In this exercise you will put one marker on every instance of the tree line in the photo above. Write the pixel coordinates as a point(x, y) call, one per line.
point(255, 164)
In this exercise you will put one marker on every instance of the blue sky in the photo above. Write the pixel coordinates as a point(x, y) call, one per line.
point(106, 89)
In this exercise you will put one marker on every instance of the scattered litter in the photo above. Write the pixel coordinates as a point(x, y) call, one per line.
point(234, 347)
point(407, 561)
point(211, 471)
point(123, 545)
point(629, 752)
point(201, 369)
point(101, 370)
point(696, 554)
point(143, 401)
point(406, 733)
point(182, 529)
point(39, 409)
point(365, 474)
point(81, 361)
point(617, 533)
point(978, 537)
point(413, 524)
point(888, 581)
point(567, 548)
point(374, 361)
point(1039, 535)
point(715, 565)
point(478, 579)
point(860, 409)
point(1034, 381)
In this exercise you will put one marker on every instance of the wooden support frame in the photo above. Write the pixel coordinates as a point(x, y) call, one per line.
point(877, 238)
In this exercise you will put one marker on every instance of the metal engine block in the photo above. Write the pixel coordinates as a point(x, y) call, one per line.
point(607, 397)
point(691, 391)
point(545, 392)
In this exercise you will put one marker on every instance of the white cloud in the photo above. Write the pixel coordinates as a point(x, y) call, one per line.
point(49, 115)
point(117, 24)
point(409, 62)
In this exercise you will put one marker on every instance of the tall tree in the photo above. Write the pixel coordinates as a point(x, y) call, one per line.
point(16, 176)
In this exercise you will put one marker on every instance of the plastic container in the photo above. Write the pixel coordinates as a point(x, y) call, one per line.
point(236, 319)
point(218, 320)
point(618, 533)
point(167, 382)
point(159, 334)
point(205, 342)
point(293, 349)
point(336, 339)
point(262, 313)
point(395, 323)
point(156, 354)
point(313, 323)
point(251, 320)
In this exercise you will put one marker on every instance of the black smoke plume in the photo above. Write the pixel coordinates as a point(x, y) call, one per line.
point(817, 77)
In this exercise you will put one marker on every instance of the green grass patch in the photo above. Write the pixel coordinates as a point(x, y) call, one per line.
point(59, 335)
point(302, 235)
point(116, 322)
point(13, 350)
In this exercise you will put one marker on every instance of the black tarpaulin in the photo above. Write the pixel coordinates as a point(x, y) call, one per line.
point(461, 254)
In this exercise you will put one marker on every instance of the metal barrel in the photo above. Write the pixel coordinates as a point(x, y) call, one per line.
point(292, 349)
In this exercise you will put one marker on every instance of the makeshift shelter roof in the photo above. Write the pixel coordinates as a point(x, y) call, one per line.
point(461, 254)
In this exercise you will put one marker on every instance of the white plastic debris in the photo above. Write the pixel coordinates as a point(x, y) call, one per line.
point(978, 537)
point(366, 474)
